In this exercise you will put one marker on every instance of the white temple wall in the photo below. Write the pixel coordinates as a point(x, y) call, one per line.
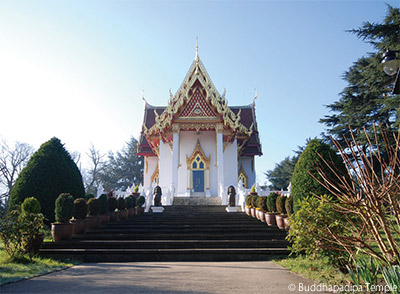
point(249, 168)
point(231, 165)
point(188, 141)
point(152, 162)
point(165, 165)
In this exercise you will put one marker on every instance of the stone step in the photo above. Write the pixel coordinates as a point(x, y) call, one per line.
point(180, 233)
point(197, 201)
point(135, 255)
point(163, 244)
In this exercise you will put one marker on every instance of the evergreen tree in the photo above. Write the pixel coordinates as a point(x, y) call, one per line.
point(367, 100)
point(303, 182)
point(49, 172)
point(281, 175)
point(123, 169)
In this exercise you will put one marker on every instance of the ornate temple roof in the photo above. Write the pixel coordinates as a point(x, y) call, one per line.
point(197, 105)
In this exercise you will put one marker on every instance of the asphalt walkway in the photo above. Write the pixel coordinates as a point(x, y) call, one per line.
point(166, 277)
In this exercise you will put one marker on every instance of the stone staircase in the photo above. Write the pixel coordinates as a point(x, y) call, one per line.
point(180, 233)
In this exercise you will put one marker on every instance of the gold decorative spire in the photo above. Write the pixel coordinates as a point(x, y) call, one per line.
point(197, 50)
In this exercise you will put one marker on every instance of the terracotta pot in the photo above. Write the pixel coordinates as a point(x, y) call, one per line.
point(32, 245)
point(253, 212)
point(261, 216)
point(287, 222)
point(139, 210)
point(62, 232)
point(92, 222)
point(123, 214)
point(80, 226)
point(248, 211)
point(270, 219)
point(280, 220)
point(131, 212)
point(258, 212)
point(113, 216)
point(104, 219)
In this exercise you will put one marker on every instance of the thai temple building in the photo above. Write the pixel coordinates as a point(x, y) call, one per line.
point(198, 144)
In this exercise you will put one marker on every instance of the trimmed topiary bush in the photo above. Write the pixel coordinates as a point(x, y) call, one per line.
point(254, 201)
point(103, 204)
point(262, 203)
point(49, 172)
point(280, 204)
point(248, 201)
point(93, 206)
point(289, 205)
point(121, 203)
point(140, 201)
point(80, 208)
point(271, 202)
point(112, 204)
point(89, 196)
point(129, 202)
point(30, 205)
point(303, 184)
point(64, 207)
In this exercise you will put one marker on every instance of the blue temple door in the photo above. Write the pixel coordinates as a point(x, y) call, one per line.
point(198, 180)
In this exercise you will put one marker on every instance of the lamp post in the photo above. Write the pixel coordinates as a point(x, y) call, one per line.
point(390, 65)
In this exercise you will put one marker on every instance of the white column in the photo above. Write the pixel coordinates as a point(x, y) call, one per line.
point(220, 157)
point(175, 159)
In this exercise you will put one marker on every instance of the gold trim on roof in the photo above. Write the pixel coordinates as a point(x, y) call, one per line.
point(198, 72)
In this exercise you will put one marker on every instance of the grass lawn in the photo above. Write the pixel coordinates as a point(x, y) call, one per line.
point(20, 269)
point(317, 270)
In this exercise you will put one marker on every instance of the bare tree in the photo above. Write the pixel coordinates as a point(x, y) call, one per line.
point(368, 196)
point(12, 161)
point(96, 167)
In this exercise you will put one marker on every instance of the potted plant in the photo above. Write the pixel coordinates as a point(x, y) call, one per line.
point(130, 205)
point(103, 210)
point(62, 229)
point(262, 208)
point(123, 213)
point(254, 199)
point(271, 205)
point(93, 211)
point(280, 207)
point(80, 212)
point(289, 210)
point(33, 220)
point(112, 206)
point(139, 204)
point(248, 205)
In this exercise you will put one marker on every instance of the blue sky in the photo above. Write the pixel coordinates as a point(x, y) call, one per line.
point(76, 69)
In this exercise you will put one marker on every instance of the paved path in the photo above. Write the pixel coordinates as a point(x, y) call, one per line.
point(165, 277)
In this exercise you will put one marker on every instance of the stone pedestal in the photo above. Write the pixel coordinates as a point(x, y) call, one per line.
point(232, 208)
point(157, 209)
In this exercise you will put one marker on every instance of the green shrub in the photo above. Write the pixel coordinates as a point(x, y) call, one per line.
point(254, 201)
point(262, 203)
point(280, 204)
point(49, 172)
point(271, 201)
point(303, 183)
point(31, 205)
point(11, 233)
point(136, 189)
point(64, 208)
point(140, 201)
point(112, 204)
point(80, 208)
point(248, 201)
point(289, 205)
point(129, 201)
point(310, 229)
point(93, 206)
point(121, 203)
point(89, 196)
point(103, 204)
